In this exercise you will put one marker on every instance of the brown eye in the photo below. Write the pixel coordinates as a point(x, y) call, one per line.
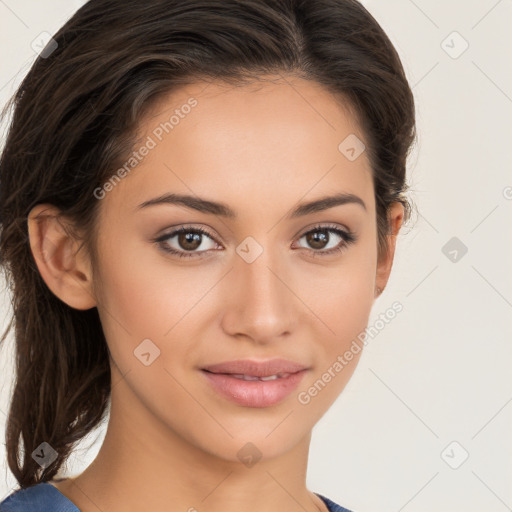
point(189, 241)
point(324, 240)
point(317, 239)
point(185, 242)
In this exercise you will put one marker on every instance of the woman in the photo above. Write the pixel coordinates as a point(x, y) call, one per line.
point(199, 206)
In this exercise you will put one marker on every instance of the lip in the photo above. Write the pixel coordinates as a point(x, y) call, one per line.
point(256, 368)
point(255, 393)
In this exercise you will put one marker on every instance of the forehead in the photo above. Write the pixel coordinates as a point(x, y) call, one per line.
point(276, 141)
point(277, 106)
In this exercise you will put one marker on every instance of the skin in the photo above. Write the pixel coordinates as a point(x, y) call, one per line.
point(172, 441)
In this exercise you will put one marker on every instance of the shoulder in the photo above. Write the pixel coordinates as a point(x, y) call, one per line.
point(42, 497)
point(333, 507)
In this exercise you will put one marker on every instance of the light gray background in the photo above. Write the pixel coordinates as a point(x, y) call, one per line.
point(440, 371)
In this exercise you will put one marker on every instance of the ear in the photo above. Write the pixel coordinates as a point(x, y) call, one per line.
point(385, 262)
point(64, 267)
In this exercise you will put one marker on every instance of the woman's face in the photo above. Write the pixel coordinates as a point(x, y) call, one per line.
point(263, 283)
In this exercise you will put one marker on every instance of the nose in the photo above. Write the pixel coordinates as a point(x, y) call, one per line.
point(260, 301)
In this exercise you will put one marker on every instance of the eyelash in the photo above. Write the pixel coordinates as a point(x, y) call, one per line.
point(347, 236)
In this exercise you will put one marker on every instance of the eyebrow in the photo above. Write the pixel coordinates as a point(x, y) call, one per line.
point(223, 210)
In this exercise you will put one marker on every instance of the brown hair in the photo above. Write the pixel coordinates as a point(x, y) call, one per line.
point(74, 117)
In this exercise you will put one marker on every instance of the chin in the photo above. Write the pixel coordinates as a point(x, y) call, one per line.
point(254, 441)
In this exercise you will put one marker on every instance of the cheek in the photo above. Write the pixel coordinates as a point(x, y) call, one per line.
point(132, 300)
point(344, 306)
point(137, 287)
point(342, 295)
point(143, 295)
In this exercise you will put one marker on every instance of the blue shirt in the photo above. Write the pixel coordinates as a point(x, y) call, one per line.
point(44, 497)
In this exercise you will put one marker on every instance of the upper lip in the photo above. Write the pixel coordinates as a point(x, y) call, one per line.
point(256, 368)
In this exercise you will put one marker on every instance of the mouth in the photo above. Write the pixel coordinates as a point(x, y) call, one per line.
point(253, 377)
point(255, 384)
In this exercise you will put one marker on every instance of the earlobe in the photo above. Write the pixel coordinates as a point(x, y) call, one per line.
point(385, 263)
point(64, 267)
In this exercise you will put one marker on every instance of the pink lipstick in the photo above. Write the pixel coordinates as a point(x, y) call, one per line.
point(255, 383)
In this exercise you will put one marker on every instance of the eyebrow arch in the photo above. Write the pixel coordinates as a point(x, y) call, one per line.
point(223, 210)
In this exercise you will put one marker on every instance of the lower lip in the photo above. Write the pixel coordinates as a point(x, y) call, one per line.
point(254, 393)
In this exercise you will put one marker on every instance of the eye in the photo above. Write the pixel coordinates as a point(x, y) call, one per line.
point(187, 241)
point(321, 237)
